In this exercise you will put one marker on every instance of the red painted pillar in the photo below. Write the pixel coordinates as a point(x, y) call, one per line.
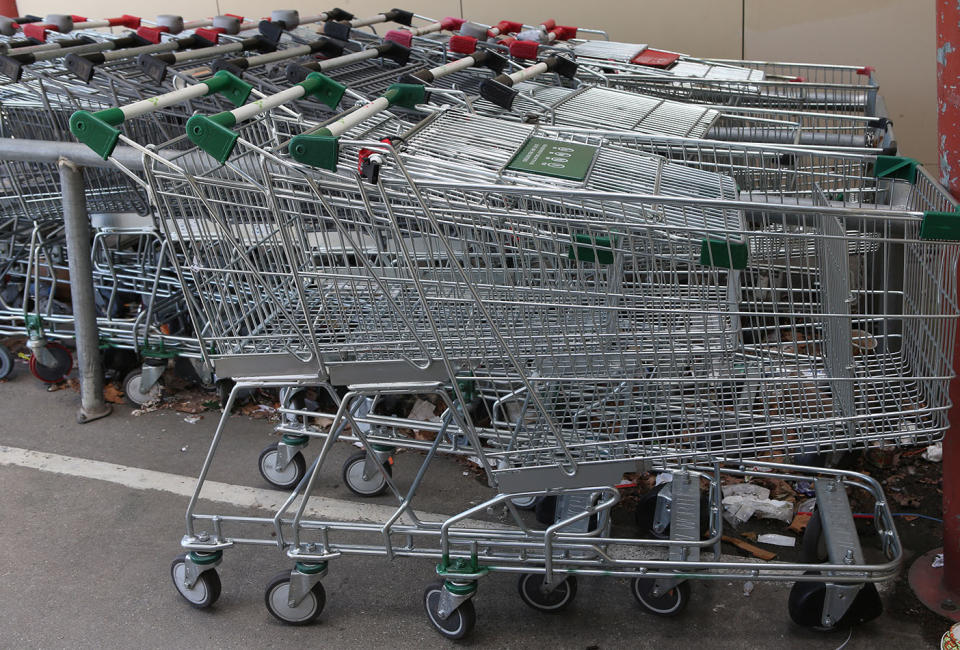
point(939, 588)
point(948, 133)
point(948, 93)
point(8, 8)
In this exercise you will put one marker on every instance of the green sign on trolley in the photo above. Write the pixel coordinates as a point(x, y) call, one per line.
point(556, 158)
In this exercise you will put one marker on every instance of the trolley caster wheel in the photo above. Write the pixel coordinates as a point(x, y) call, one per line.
point(364, 486)
point(806, 606)
point(205, 590)
point(304, 613)
point(671, 603)
point(458, 624)
point(286, 478)
point(551, 602)
point(134, 392)
point(6, 362)
point(545, 510)
point(63, 363)
point(525, 503)
point(224, 387)
point(813, 545)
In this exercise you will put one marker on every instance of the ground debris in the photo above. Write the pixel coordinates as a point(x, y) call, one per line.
point(112, 394)
point(744, 545)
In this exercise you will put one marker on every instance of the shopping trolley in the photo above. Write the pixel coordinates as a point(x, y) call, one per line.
point(550, 299)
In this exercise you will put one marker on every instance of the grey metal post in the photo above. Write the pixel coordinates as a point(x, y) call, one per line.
point(77, 231)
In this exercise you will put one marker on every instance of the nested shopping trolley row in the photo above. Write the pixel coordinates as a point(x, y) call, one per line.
point(600, 308)
point(588, 276)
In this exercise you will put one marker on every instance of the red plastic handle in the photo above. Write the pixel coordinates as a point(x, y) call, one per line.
point(399, 36)
point(524, 49)
point(509, 27)
point(37, 31)
point(78, 19)
point(866, 71)
point(151, 34)
point(240, 18)
point(463, 44)
point(451, 24)
point(549, 24)
point(126, 20)
point(564, 32)
point(211, 34)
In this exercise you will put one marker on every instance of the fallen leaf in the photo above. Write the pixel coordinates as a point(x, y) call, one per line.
point(113, 394)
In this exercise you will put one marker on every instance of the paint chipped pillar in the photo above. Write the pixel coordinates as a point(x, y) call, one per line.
point(948, 132)
point(948, 93)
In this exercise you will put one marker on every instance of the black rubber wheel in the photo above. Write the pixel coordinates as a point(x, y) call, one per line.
point(306, 612)
point(460, 622)
point(63, 364)
point(805, 605)
point(205, 591)
point(224, 386)
point(813, 545)
point(353, 478)
point(288, 477)
point(133, 390)
point(526, 503)
point(671, 603)
point(550, 603)
point(545, 510)
point(645, 512)
point(6, 362)
point(120, 362)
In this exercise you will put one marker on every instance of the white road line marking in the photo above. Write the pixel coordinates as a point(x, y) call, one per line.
point(327, 508)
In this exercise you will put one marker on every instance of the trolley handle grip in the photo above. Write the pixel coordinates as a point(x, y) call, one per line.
point(321, 148)
point(500, 90)
point(155, 65)
point(84, 65)
point(11, 65)
point(482, 58)
point(297, 72)
point(324, 46)
point(341, 30)
point(212, 133)
point(98, 130)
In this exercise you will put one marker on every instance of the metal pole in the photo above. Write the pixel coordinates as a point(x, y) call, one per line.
point(77, 231)
point(939, 588)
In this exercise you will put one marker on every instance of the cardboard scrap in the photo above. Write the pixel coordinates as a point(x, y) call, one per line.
point(755, 551)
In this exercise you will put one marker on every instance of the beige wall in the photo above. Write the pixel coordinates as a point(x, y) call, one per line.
point(895, 36)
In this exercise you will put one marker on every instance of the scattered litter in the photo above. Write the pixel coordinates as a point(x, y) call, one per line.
point(755, 551)
point(192, 419)
point(933, 453)
point(804, 488)
point(747, 588)
point(937, 561)
point(466, 473)
point(423, 410)
point(663, 477)
point(744, 500)
point(777, 540)
point(183, 448)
